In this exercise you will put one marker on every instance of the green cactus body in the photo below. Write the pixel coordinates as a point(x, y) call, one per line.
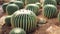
point(24, 19)
point(11, 8)
point(33, 1)
point(8, 20)
point(39, 4)
point(4, 6)
point(59, 16)
point(49, 11)
point(17, 31)
point(33, 7)
point(53, 2)
point(22, 1)
point(20, 4)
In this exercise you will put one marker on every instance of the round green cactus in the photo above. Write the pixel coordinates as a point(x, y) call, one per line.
point(20, 4)
point(8, 20)
point(24, 19)
point(59, 16)
point(17, 31)
point(4, 6)
point(49, 11)
point(33, 7)
point(11, 8)
point(53, 2)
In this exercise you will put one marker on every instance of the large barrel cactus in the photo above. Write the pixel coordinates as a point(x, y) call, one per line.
point(4, 6)
point(8, 20)
point(59, 16)
point(24, 19)
point(17, 31)
point(49, 11)
point(20, 4)
point(11, 8)
point(33, 7)
point(32, 1)
point(53, 2)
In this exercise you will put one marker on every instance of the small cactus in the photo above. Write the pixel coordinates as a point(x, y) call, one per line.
point(49, 11)
point(4, 6)
point(33, 7)
point(8, 20)
point(11, 8)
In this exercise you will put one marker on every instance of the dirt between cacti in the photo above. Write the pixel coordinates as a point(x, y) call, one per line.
point(39, 30)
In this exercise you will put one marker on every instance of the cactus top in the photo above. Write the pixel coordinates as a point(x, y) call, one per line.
point(23, 11)
point(33, 5)
point(48, 5)
point(17, 31)
point(53, 2)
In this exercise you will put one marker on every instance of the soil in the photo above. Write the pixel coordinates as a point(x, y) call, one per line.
point(39, 30)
